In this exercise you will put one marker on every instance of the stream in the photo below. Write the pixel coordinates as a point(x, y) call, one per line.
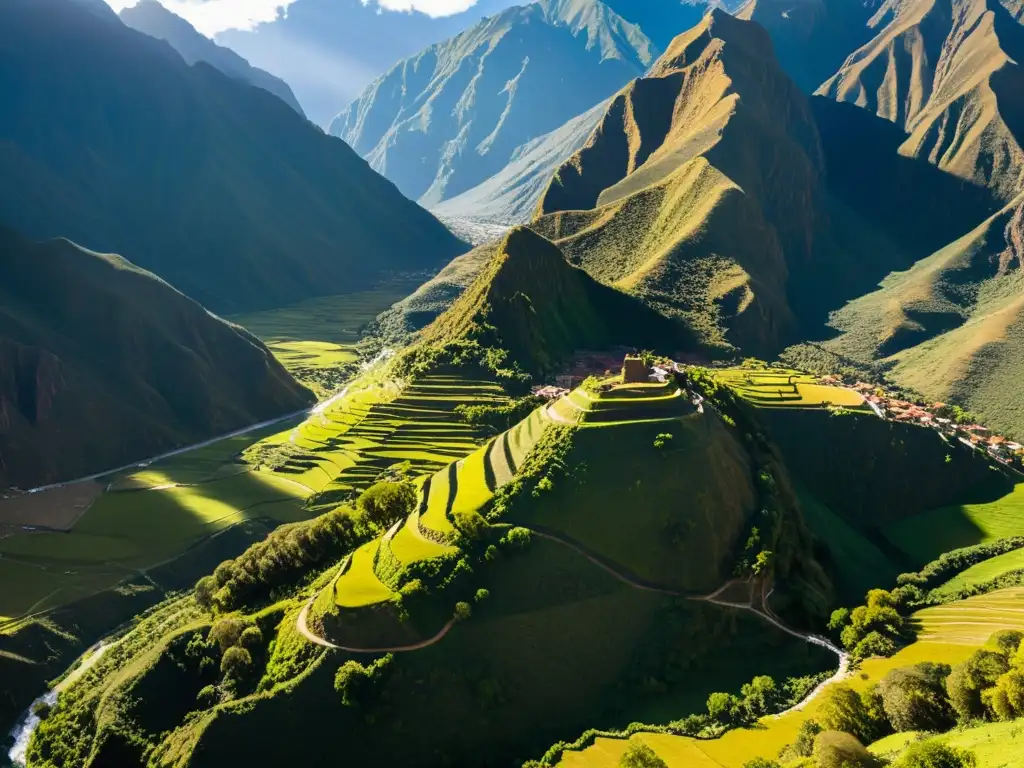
point(22, 732)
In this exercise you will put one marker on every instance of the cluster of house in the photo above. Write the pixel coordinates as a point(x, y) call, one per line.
point(1000, 448)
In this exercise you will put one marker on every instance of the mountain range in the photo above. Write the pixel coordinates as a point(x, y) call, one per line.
point(151, 18)
point(110, 139)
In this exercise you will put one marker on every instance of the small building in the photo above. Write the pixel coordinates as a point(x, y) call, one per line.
point(634, 371)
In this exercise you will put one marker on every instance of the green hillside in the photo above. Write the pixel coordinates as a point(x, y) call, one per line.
point(702, 192)
point(537, 309)
point(104, 363)
point(113, 141)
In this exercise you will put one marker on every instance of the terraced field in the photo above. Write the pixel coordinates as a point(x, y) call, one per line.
point(949, 635)
point(784, 388)
point(985, 571)
point(622, 404)
point(343, 450)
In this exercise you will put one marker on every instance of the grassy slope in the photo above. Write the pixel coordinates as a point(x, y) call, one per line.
point(985, 571)
point(996, 745)
point(522, 672)
point(712, 210)
point(89, 340)
point(945, 642)
point(245, 203)
point(529, 301)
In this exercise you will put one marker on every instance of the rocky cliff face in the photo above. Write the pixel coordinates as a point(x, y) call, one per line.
point(443, 122)
point(102, 363)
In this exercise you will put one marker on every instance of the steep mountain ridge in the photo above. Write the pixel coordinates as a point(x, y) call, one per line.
point(948, 72)
point(109, 139)
point(527, 300)
point(102, 363)
point(446, 120)
point(151, 18)
point(701, 192)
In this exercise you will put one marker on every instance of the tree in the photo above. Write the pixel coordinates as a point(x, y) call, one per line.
point(641, 756)
point(251, 638)
point(236, 663)
point(804, 744)
point(934, 754)
point(384, 504)
point(760, 695)
point(761, 762)
point(1006, 642)
point(206, 587)
point(463, 611)
point(969, 680)
point(915, 698)
point(844, 709)
point(724, 708)
point(835, 749)
point(1006, 699)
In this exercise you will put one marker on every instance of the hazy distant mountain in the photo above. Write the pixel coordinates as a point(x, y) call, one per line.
point(102, 363)
point(151, 18)
point(330, 50)
point(108, 138)
point(512, 194)
point(446, 120)
point(702, 191)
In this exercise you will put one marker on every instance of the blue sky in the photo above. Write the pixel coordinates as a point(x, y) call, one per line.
point(213, 16)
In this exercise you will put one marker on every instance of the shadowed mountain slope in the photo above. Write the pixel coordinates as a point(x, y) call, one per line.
point(527, 300)
point(446, 120)
point(701, 191)
point(812, 37)
point(102, 363)
point(108, 138)
point(948, 72)
point(151, 18)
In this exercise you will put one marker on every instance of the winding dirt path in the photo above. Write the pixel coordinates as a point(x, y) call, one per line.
point(632, 581)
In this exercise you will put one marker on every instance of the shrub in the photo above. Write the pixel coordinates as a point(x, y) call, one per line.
point(227, 632)
point(236, 664)
point(207, 697)
point(835, 749)
point(357, 683)
point(517, 538)
point(804, 744)
point(641, 756)
point(1006, 641)
point(760, 696)
point(933, 754)
point(1006, 699)
point(471, 524)
point(251, 638)
point(463, 611)
point(915, 698)
point(969, 680)
point(384, 504)
point(761, 762)
point(664, 440)
point(482, 594)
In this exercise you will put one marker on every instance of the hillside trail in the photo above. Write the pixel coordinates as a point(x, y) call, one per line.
point(634, 582)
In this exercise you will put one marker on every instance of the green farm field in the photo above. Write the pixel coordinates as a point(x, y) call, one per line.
point(928, 535)
point(777, 388)
point(984, 572)
point(947, 636)
point(996, 745)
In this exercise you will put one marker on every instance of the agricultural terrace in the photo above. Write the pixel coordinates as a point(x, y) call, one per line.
point(462, 487)
point(787, 388)
point(611, 402)
point(945, 638)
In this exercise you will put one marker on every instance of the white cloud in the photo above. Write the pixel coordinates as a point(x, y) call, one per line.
point(213, 16)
